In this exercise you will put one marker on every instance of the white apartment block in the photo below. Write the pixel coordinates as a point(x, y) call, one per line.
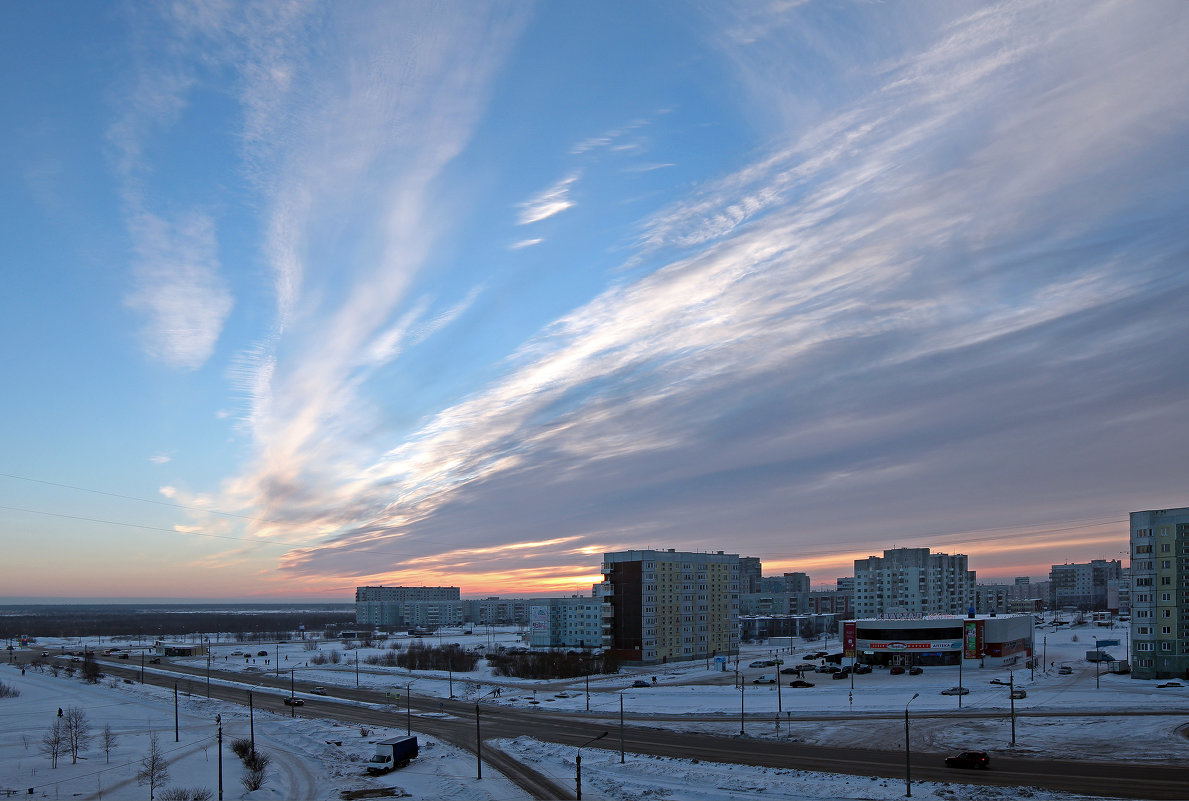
point(573, 622)
point(913, 581)
point(1160, 594)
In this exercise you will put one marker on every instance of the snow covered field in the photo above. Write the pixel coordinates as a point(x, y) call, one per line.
point(307, 764)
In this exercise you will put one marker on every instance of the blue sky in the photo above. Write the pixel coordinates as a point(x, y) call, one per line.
point(304, 296)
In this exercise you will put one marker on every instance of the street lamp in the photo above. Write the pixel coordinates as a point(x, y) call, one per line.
point(409, 708)
point(219, 723)
point(908, 750)
point(578, 766)
point(1097, 663)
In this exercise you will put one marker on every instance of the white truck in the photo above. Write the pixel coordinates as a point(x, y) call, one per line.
point(392, 753)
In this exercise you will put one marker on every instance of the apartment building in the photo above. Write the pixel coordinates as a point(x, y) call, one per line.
point(396, 607)
point(661, 606)
point(1083, 586)
point(912, 581)
point(574, 622)
point(1160, 594)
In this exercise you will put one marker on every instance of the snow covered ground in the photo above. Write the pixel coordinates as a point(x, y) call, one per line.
point(1117, 728)
point(311, 759)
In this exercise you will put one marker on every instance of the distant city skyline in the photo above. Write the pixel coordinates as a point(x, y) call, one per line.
point(304, 297)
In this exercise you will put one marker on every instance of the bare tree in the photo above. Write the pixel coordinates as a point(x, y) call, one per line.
point(254, 766)
point(154, 768)
point(53, 742)
point(78, 731)
point(109, 740)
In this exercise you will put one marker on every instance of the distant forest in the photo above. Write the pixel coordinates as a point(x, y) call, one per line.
point(148, 622)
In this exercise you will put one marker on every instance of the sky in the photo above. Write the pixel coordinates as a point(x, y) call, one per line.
point(301, 297)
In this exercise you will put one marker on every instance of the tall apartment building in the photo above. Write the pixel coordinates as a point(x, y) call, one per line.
point(913, 581)
point(670, 605)
point(751, 573)
point(1083, 585)
point(1160, 594)
point(384, 606)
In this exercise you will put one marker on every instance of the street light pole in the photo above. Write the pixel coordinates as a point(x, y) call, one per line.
point(741, 708)
point(409, 708)
point(1011, 691)
point(208, 667)
point(251, 721)
point(908, 750)
point(292, 695)
point(578, 767)
point(621, 728)
point(219, 723)
point(176, 737)
point(1097, 664)
point(961, 659)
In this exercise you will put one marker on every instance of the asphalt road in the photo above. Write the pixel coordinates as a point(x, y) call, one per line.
point(1117, 779)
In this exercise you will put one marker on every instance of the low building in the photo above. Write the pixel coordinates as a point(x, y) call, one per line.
point(765, 627)
point(178, 649)
point(991, 640)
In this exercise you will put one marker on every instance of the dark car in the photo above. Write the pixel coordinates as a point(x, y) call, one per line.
point(806, 666)
point(291, 701)
point(915, 671)
point(1170, 684)
point(1064, 670)
point(800, 683)
point(827, 669)
point(897, 670)
point(1016, 695)
point(842, 674)
point(639, 683)
point(969, 759)
point(862, 669)
point(790, 671)
point(1001, 681)
point(155, 661)
point(956, 691)
point(123, 656)
point(262, 653)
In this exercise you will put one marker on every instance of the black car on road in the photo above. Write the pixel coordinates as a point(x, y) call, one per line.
point(969, 759)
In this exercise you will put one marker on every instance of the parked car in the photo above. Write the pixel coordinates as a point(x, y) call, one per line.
point(156, 660)
point(262, 653)
point(827, 669)
point(842, 674)
point(915, 671)
point(1018, 694)
point(319, 691)
point(956, 691)
point(1001, 681)
point(1064, 670)
point(123, 656)
point(765, 679)
point(806, 666)
point(639, 683)
point(292, 701)
point(790, 671)
point(800, 683)
point(862, 669)
point(758, 664)
point(969, 759)
point(1170, 684)
point(897, 670)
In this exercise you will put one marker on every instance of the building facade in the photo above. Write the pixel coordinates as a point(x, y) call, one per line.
point(1083, 586)
point(1160, 594)
point(385, 607)
point(661, 606)
point(991, 640)
point(751, 572)
point(913, 581)
point(573, 622)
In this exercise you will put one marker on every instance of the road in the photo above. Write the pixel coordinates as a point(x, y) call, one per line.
point(458, 726)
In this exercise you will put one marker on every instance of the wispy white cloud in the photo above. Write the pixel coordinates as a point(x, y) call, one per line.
point(525, 243)
point(859, 259)
point(179, 288)
point(160, 458)
point(551, 201)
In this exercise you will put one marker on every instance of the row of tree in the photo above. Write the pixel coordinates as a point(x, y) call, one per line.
point(552, 664)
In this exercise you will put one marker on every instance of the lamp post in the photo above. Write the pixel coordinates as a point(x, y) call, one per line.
point(251, 721)
point(908, 750)
point(578, 766)
point(208, 667)
point(1011, 692)
point(621, 728)
point(1097, 664)
point(478, 746)
point(741, 732)
point(292, 694)
point(219, 723)
point(409, 708)
point(176, 734)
